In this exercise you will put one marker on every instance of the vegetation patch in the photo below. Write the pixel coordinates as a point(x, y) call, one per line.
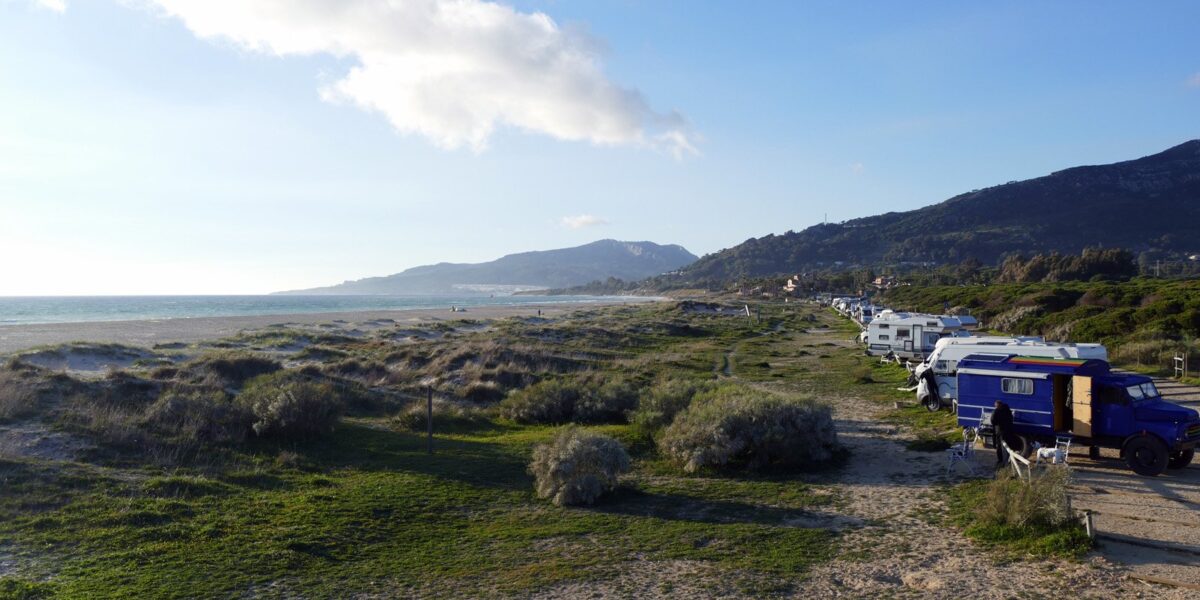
point(734, 426)
point(577, 466)
point(1022, 516)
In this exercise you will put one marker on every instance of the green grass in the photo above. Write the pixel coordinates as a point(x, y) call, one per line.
point(366, 510)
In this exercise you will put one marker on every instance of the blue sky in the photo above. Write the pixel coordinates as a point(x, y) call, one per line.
point(167, 146)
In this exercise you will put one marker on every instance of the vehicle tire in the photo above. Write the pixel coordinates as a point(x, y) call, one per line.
point(1094, 452)
point(1147, 455)
point(932, 402)
point(1181, 459)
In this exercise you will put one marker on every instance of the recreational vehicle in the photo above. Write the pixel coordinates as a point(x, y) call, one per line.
point(909, 336)
point(1083, 401)
point(936, 378)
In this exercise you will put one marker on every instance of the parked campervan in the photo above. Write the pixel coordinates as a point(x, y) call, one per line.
point(909, 336)
point(937, 382)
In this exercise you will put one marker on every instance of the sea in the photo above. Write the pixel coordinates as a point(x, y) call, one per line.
point(23, 310)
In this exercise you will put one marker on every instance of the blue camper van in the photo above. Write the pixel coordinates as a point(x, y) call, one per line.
point(1083, 399)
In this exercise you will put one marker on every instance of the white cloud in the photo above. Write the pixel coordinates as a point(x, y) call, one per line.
point(450, 70)
point(581, 221)
point(858, 168)
point(58, 6)
point(1194, 80)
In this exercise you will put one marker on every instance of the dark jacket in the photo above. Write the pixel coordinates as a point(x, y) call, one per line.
point(1002, 418)
point(1002, 421)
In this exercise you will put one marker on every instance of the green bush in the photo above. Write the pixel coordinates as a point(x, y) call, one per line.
point(288, 407)
point(579, 399)
point(447, 415)
point(577, 467)
point(666, 398)
point(198, 416)
point(734, 426)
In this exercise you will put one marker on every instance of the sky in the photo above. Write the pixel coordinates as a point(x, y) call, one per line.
point(250, 146)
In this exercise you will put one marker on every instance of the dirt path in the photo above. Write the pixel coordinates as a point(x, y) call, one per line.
point(1150, 524)
point(905, 551)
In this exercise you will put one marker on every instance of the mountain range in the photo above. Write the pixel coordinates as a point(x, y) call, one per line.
point(544, 269)
point(1150, 204)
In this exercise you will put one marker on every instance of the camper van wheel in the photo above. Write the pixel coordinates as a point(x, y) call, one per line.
point(932, 402)
point(1181, 459)
point(1094, 452)
point(1146, 455)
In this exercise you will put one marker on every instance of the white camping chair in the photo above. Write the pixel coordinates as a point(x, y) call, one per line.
point(963, 452)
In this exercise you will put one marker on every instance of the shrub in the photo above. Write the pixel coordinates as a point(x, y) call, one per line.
point(666, 398)
point(198, 416)
point(446, 415)
point(550, 401)
point(1039, 502)
point(230, 369)
point(1031, 516)
point(18, 398)
point(736, 426)
point(580, 400)
point(577, 467)
point(605, 402)
point(288, 407)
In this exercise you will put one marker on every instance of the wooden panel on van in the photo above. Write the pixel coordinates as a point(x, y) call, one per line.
point(1081, 405)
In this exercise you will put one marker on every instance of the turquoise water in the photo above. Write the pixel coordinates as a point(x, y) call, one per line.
point(80, 309)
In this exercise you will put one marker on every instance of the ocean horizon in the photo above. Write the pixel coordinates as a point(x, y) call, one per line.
point(36, 310)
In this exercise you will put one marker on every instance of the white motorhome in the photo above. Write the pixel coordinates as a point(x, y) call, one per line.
point(864, 314)
point(909, 336)
point(939, 372)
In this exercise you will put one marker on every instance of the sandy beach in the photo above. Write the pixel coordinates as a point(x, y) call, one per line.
point(14, 338)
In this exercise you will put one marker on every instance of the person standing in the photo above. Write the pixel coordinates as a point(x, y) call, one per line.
point(1002, 423)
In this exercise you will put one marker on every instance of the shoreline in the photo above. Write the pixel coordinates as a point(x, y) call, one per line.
point(148, 332)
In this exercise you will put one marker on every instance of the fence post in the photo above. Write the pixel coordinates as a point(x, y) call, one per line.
point(429, 420)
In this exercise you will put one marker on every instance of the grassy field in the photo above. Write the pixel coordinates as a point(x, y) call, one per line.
point(365, 511)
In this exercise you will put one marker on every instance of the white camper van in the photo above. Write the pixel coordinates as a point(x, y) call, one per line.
point(910, 336)
point(937, 377)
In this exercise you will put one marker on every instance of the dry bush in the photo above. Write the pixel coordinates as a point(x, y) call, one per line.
point(289, 407)
point(18, 395)
point(734, 426)
point(1038, 502)
point(577, 467)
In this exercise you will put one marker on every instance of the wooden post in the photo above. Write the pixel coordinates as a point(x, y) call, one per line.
point(1088, 524)
point(429, 420)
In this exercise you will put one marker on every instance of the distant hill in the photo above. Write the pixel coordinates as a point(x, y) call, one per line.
point(528, 270)
point(1148, 204)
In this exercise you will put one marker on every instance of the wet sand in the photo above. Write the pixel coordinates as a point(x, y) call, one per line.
point(14, 338)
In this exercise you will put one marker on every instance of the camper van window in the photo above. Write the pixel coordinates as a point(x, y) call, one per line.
point(883, 336)
point(901, 333)
point(883, 325)
point(1016, 386)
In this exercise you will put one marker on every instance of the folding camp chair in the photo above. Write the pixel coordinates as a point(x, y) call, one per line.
point(963, 452)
